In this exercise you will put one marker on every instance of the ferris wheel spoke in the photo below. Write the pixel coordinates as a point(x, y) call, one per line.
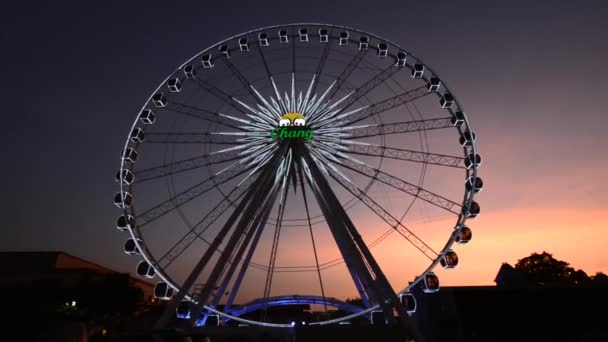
point(348, 70)
point(406, 155)
point(190, 138)
point(241, 77)
point(372, 130)
point(293, 55)
point(399, 184)
point(218, 93)
point(188, 195)
point(279, 105)
point(187, 164)
point(193, 111)
point(371, 84)
point(388, 218)
point(384, 105)
point(319, 69)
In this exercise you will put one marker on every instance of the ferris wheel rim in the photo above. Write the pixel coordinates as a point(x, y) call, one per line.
point(147, 255)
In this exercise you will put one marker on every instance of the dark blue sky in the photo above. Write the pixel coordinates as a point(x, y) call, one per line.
point(531, 75)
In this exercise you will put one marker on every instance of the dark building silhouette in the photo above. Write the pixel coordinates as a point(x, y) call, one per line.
point(38, 289)
point(58, 295)
point(25, 269)
point(514, 310)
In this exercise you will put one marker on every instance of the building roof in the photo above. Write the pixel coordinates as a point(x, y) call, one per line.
point(49, 261)
point(509, 276)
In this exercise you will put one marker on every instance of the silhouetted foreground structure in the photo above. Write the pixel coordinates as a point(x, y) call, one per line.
point(490, 313)
point(51, 294)
point(28, 268)
point(516, 309)
point(48, 294)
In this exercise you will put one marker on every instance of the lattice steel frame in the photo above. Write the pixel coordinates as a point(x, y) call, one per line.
point(381, 296)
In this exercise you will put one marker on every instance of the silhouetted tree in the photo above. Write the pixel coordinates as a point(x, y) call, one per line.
point(599, 279)
point(355, 301)
point(544, 269)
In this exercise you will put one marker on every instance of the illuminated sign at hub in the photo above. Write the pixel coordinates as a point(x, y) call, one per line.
point(292, 126)
point(291, 133)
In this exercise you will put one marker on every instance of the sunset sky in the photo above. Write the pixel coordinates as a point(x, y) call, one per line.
point(531, 76)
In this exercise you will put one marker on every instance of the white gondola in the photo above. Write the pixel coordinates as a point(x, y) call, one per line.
point(127, 176)
point(382, 49)
point(408, 301)
point(446, 100)
point(137, 135)
point(431, 283)
point(263, 39)
point(244, 44)
point(343, 38)
point(472, 160)
point(473, 211)
point(418, 70)
point(449, 259)
point(123, 201)
point(163, 291)
point(224, 51)
point(433, 84)
point(145, 270)
point(323, 36)
point(467, 138)
point(207, 61)
point(213, 321)
point(189, 71)
point(377, 317)
point(363, 43)
point(147, 117)
point(474, 184)
point(283, 38)
point(125, 222)
point(174, 85)
point(183, 310)
point(130, 155)
point(131, 247)
point(401, 58)
point(303, 34)
point(457, 119)
point(463, 234)
point(159, 100)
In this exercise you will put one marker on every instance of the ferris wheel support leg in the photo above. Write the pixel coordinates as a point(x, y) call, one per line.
point(259, 194)
point(246, 262)
point(357, 266)
point(362, 293)
point(354, 264)
point(354, 248)
point(330, 208)
point(256, 229)
point(176, 300)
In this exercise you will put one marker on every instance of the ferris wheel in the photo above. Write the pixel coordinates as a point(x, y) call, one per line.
point(286, 164)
